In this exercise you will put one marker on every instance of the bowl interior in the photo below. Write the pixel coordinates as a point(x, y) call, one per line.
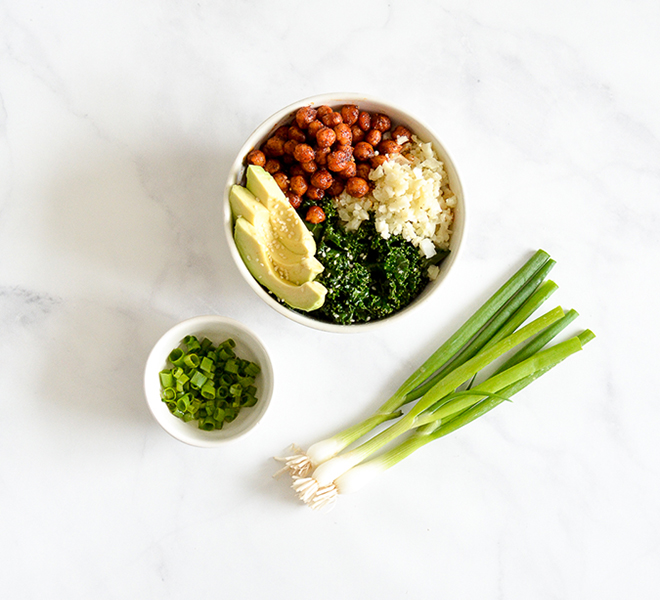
point(398, 116)
point(217, 329)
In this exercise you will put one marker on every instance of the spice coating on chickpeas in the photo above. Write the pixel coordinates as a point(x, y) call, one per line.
point(325, 151)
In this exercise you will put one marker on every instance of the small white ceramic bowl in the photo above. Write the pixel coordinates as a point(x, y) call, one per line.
point(217, 329)
point(398, 116)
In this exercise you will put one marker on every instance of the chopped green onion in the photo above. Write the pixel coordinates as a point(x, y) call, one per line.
point(198, 379)
point(183, 403)
point(252, 369)
point(248, 400)
point(191, 360)
point(169, 394)
point(206, 365)
point(201, 387)
point(208, 390)
point(166, 378)
point(225, 354)
point(192, 343)
point(176, 357)
point(231, 366)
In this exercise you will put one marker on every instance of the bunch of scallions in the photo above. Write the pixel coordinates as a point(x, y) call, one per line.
point(497, 352)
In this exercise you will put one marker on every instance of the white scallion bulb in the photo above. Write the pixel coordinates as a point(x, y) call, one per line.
point(327, 472)
point(321, 451)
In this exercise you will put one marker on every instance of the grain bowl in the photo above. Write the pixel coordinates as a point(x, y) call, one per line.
point(376, 190)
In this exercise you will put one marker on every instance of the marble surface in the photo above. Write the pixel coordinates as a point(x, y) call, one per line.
point(118, 123)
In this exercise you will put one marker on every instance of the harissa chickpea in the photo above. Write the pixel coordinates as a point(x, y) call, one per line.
point(325, 151)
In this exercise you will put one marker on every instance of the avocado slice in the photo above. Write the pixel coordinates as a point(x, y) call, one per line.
point(306, 297)
point(244, 204)
point(286, 222)
point(296, 268)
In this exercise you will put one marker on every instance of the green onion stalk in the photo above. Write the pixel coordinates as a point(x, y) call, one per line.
point(442, 390)
point(461, 408)
point(327, 472)
point(519, 296)
point(453, 411)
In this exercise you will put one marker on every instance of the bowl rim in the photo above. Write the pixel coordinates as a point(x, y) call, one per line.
point(235, 175)
point(174, 426)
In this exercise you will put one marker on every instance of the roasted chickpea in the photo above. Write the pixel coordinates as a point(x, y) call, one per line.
point(294, 199)
point(282, 181)
point(401, 132)
point(381, 122)
point(272, 165)
point(357, 187)
point(314, 193)
point(309, 167)
point(344, 134)
point(363, 170)
point(298, 185)
point(338, 161)
point(315, 215)
point(389, 147)
point(322, 110)
point(363, 151)
point(289, 147)
point(274, 147)
point(358, 134)
point(331, 119)
point(313, 129)
point(326, 151)
point(256, 157)
point(304, 116)
point(321, 179)
point(350, 112)
point(322, 156)
point(373, 136)
point(325, 137)
point(336, 188)
point(303, 153)
point(349, 171)
point(295, 133)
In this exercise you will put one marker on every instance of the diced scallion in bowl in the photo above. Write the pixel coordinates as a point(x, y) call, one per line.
point(207, 383)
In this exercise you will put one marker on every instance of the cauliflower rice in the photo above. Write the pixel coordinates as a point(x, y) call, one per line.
point(411, 197)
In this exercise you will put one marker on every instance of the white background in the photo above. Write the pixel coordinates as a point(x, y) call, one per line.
point(118, 123)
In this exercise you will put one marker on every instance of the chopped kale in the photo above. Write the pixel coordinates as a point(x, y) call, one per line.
point(367, 277)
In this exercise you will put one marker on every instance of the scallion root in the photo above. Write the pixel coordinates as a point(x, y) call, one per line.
point(297, 464)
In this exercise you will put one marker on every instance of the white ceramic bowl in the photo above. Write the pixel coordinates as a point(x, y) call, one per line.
point(398, 116)
point(217, 329)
